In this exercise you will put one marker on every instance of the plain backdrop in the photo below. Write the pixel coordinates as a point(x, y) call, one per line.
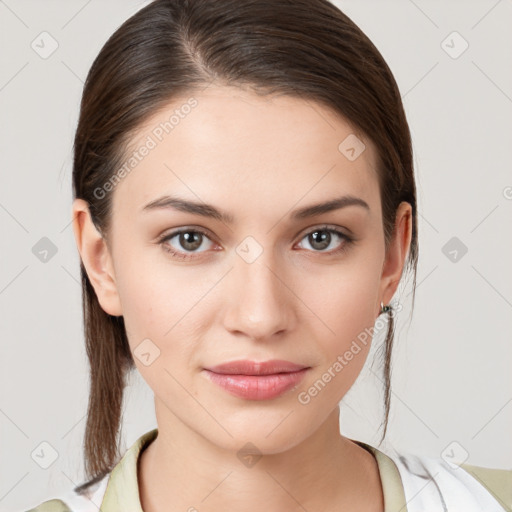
point(452, 384)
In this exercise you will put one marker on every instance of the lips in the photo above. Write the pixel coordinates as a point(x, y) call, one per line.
point(245, 367)
point(253, 380)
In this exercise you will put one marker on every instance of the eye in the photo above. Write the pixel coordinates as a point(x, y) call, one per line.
point(187, 240)
point(323, 237)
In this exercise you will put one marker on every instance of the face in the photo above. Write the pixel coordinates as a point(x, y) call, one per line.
point(256, 281)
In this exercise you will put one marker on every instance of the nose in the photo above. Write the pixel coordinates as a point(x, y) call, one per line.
point(261, 302)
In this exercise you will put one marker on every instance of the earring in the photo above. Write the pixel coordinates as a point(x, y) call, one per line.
point(384, 309)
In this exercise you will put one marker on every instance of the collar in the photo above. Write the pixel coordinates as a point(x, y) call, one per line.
point(122, 492)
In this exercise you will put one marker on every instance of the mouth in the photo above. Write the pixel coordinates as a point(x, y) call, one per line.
point(246, 367)
point(252, 380)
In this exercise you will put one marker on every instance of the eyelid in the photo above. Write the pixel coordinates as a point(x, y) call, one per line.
point(207, 233)
point(166, 236)
point(346, 239)
point(179, 255)
point(325, 227)
point(183, 229)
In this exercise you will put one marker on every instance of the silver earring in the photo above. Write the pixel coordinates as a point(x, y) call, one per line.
point(384, 309)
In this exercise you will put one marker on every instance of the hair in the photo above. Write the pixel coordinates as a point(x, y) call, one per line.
point(306, 49)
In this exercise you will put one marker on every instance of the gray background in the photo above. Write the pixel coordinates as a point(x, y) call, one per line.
point(452, 379)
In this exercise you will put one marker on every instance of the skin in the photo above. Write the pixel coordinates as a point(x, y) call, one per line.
point(258, 158)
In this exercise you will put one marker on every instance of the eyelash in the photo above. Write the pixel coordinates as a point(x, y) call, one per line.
point(184, 256)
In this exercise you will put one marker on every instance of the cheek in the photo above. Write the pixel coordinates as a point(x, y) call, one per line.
point(150, 293)
point(345, 305)
point(344, 336)
point(155, 317)
point(345, 299)
point(162, 303)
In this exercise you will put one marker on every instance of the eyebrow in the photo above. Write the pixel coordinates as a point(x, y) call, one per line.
point(210, 211)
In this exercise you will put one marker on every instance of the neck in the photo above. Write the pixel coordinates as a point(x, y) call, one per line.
point(181, 470)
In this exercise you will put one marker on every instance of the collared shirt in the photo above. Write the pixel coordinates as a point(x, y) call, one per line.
point(410, 483)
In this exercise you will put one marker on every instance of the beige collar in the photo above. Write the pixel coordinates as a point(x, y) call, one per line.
point(122, 492)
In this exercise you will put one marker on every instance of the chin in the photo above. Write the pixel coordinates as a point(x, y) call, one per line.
point(267, 434)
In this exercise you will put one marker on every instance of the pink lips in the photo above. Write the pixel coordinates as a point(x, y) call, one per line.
point(257, 380)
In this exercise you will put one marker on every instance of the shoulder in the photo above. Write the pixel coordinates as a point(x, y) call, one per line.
point(88, 499)
point(497, 481)
point(121, 483)
point(435, 484)
point(55, 505)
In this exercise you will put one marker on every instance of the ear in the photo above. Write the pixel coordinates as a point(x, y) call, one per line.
point(96, 258)
point(397, 253)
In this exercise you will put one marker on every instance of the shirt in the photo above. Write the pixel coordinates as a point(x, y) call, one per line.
point(410, 483)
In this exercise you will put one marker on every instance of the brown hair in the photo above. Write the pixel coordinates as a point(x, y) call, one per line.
point(303, 48)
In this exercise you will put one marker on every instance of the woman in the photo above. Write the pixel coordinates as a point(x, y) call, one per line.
point(245, 207)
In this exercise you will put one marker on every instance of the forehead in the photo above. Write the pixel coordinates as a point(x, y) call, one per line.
point(228, 145)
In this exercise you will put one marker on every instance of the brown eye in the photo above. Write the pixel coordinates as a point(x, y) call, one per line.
point(322, 238)
point(187, 242)
point(190, 240)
